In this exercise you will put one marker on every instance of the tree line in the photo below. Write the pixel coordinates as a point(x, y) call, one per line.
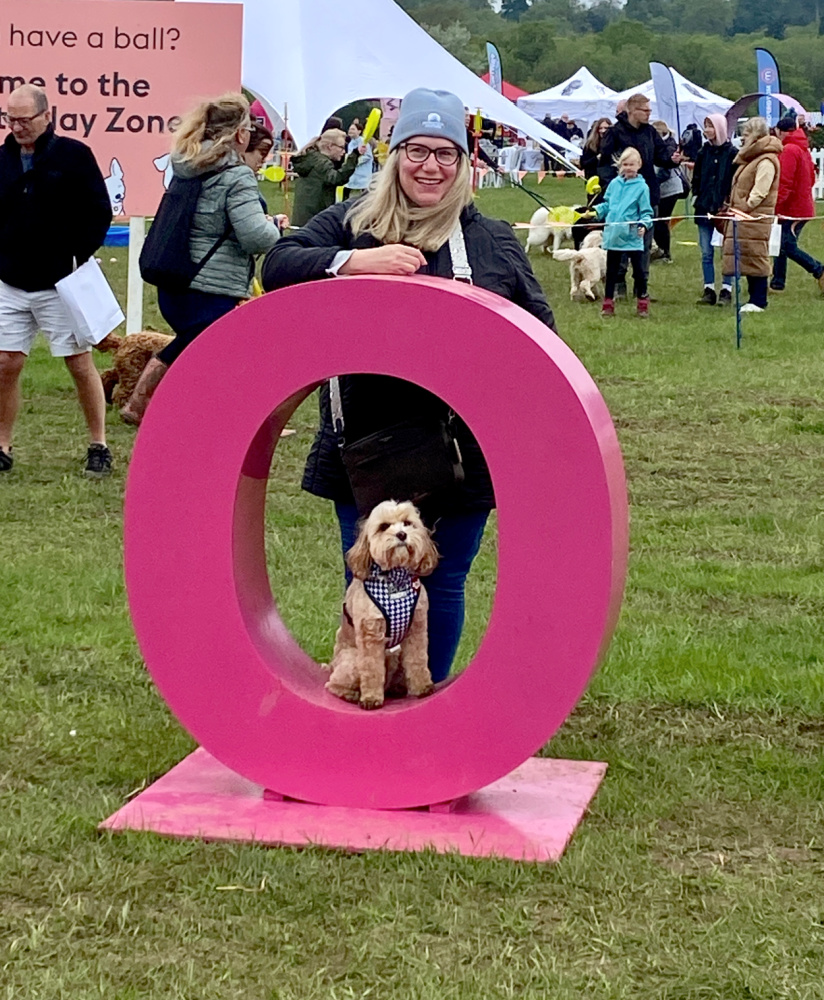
point(710, 41)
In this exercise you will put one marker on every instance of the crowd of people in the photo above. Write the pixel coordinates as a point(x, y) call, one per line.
point(740, 193)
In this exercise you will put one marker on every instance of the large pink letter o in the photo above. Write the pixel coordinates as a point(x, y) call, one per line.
point(196, 575)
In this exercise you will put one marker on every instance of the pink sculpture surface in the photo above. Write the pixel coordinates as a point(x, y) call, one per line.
point(200, 598)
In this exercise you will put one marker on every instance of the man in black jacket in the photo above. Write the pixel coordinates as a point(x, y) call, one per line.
point(632, 128)
point(54, 210)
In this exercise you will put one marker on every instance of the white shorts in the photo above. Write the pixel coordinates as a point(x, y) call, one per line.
point(22, 314)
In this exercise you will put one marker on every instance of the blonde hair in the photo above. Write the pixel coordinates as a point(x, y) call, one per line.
point(636, 101)
point(327, 136)
point(215, 123)
point(756, 127)
point(630, 153)
point(386, 213)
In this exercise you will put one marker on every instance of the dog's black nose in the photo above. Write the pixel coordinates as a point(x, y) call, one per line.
point(401, 536)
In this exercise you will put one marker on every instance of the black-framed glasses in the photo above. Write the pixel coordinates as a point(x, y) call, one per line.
point(24, 119)
point(447, 156)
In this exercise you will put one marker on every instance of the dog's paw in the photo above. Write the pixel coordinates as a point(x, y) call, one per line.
point(370, 703)
point(346, 694)
point(424, 692)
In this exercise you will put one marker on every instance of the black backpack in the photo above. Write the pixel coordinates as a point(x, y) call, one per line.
point(165, 260)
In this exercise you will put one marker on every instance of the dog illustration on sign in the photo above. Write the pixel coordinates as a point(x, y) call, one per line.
point(164, 165)
point(116, 187)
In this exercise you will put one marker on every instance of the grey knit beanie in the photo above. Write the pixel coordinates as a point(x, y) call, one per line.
point(435, 113)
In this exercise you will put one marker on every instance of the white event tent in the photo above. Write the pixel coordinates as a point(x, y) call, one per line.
point(694, 102)
point(581, 96)
point(306, 58)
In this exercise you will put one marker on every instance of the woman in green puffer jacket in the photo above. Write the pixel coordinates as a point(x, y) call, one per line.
point(321, 168)
point(210, 142)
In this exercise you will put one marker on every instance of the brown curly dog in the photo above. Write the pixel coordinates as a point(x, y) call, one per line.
point(130, 355)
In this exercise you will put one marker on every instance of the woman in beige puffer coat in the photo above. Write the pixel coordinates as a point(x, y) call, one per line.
point(754, 191)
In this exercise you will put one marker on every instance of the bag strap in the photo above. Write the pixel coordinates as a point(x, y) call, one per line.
point(461, 271)
point(227, 232)
point(337, 408)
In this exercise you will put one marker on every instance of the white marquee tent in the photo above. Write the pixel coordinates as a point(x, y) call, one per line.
point(309, 57)
point(694, 103)
point(582, 96)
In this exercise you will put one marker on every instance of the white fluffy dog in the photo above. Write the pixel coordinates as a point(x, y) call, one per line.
point(587, 266)
point(381, 644)
point(541, 231)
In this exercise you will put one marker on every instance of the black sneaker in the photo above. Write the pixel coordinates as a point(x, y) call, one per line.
point(98, 462)
point(6, 460)
point(725, 297)
point(709, 298)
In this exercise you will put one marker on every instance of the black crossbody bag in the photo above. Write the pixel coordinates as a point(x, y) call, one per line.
point(410, 460)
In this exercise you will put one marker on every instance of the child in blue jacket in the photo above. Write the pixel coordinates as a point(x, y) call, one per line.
point(627, 212)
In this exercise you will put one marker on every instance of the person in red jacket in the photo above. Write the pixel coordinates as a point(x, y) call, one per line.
point(795, 203)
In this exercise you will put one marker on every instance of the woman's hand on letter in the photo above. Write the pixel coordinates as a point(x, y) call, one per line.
point(392, 259)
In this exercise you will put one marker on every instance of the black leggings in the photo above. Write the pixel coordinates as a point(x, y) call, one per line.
point(639, 275)
point(188, 314)
point(661, 228)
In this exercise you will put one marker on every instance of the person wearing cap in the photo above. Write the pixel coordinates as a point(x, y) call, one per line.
point(402, 226)
point(795, 203)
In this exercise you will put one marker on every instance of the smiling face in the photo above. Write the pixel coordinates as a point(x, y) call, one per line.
point(426, 184)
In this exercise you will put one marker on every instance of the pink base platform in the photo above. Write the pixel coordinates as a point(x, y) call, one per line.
point(528, 815)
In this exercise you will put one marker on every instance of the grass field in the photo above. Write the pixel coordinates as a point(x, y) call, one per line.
point(699, 872)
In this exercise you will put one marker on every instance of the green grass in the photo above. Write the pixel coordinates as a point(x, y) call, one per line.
point(699, 871)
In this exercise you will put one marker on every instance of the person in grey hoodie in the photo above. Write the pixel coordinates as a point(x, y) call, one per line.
point(210, 142)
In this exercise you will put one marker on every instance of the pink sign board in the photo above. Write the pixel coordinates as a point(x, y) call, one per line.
point(119, 75)
point(205, 617)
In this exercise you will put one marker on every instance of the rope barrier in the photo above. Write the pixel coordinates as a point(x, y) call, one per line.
point(734, 215)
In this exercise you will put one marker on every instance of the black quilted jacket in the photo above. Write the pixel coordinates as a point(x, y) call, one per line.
point(372, 402)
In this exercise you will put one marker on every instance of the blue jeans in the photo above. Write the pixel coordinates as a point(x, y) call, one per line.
point(790, 232)
point(188, 314)
point(458, 537)
point(705, 232)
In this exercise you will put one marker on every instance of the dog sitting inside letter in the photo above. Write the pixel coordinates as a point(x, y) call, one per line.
point(381, 644)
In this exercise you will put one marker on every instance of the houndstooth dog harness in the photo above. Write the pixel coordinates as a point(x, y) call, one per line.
point(395, 592)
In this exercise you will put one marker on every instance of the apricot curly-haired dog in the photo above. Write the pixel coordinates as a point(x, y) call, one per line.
point(381, 645)
point(130, 355)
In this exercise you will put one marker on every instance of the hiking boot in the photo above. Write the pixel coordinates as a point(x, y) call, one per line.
point(725, 297)
point(643, 308)
point(621, 290)
point(98, 462)
point(709, 298)
point(608, 308)
point(6, 460)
